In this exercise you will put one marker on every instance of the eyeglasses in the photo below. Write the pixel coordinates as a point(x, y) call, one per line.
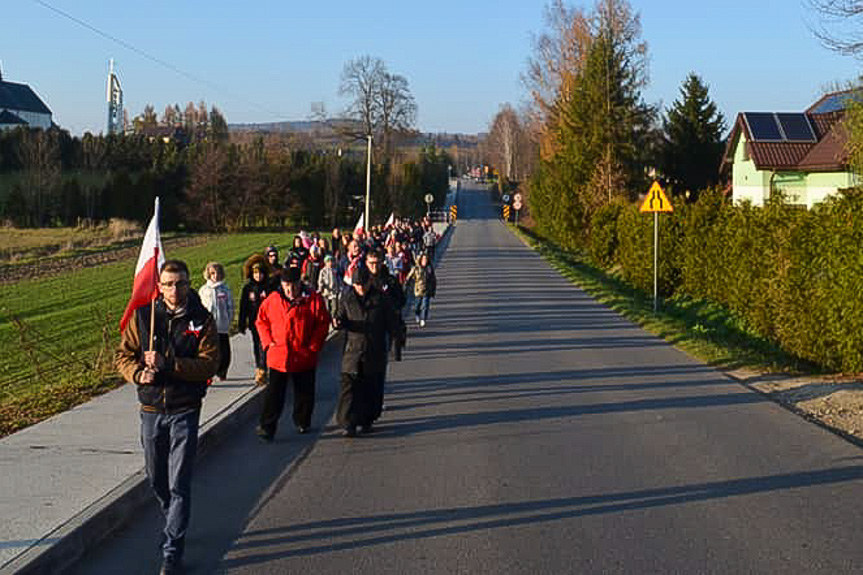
point(177, 284)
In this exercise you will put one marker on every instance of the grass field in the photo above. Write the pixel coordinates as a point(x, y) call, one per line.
point(703, 329)
point(27, 245)
point(53, 329)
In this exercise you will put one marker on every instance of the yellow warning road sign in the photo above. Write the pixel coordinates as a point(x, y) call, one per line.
point(656, 200)
point(506, 212)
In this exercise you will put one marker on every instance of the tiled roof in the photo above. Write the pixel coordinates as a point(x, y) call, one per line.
point(21, 97)
point(7, 117)
point(830, 154)
point(826, 155)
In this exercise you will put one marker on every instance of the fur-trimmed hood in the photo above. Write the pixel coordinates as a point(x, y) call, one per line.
point(257, 259)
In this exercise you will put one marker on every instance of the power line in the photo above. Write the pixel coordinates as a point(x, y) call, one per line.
point(156, 60)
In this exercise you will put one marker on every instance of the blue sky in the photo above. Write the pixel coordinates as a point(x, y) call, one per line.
point(266, 60)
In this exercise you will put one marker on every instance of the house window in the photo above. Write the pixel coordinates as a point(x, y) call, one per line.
point(746, 154)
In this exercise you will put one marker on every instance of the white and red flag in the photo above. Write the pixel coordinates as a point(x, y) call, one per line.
point(391, 239)
point(360, 227)
point(307, 239)
point(391, 221)
point(151, 258)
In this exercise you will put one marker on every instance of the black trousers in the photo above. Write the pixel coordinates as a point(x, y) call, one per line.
point(274, 399)
point(224, 354)
point(358, 399)
point(257, 348)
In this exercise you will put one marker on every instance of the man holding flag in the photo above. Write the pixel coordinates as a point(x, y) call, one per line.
point(169, 350)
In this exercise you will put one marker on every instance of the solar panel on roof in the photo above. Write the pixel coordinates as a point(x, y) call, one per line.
point(796, 127)
point(836, 102)
point(763, 126)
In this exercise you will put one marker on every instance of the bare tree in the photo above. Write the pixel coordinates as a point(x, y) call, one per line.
point(381, 102)
point(361, 81)
point(503, 141)
point(840, 25)
point(207, 189)
point(558, 58)
point(396, 108)
point(169, 118)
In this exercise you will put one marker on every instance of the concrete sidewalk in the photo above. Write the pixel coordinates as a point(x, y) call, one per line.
point(81, 473)
point(70, 481)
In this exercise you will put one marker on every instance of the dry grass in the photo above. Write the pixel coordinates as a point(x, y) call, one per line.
point(21, 245)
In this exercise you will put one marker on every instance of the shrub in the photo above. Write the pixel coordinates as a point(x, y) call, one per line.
point(791, 275)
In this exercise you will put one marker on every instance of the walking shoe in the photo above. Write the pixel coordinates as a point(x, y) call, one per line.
point(263, 435)
point(422, 323)
point(368, 428)
point(418, 320)
point(171, 566)
point(350, 431)
point(301, 429)
point(260, 377)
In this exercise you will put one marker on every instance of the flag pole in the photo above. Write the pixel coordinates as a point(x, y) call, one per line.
point(153, 301)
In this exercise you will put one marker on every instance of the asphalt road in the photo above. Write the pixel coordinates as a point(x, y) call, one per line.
point(529, 430)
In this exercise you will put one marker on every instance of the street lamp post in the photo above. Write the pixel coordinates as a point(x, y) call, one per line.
point(368, 181)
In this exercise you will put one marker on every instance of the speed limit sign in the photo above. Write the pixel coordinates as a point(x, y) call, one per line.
point(517, 198)
point(516, 205)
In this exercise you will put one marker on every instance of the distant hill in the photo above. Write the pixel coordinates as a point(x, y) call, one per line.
point(324, 130)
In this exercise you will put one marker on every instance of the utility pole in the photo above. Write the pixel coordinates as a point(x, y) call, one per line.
point(368, 182)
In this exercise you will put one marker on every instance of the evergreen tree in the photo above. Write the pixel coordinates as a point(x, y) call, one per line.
point(602, 127)
point(692, 147)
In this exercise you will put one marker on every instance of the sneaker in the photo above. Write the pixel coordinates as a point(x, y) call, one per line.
point(367, 428)
point(302, 429)
point(418, 320)
point(422, 323)
point(350, 431)
point(263, 435)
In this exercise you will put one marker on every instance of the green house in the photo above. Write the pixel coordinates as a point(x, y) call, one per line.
point(803, 154)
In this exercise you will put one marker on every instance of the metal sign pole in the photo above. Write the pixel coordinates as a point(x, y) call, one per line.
point(655, 261)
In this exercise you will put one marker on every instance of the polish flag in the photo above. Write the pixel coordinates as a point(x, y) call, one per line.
point(391, 221)
point(307, 239)
point(360, 227)
point(391, 239)
point(151, 258)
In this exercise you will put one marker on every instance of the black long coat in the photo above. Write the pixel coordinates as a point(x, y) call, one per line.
point(367, 321)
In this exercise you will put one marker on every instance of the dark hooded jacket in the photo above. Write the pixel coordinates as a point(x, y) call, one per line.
point(189, 343)
point(254, 293)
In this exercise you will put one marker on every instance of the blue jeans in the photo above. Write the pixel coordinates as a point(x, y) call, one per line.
point(421, 310)
point(170, 443)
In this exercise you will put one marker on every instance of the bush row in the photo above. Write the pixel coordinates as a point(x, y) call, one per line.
point(794, 276)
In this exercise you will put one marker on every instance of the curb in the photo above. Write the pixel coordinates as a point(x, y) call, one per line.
point(68, 543)
point(102, 518)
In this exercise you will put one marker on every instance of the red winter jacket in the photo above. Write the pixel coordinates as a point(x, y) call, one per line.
point(297, 330)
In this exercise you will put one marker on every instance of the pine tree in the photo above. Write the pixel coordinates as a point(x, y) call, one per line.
point(692, 147)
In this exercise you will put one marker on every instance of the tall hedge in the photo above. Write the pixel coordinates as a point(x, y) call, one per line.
point(794, 276)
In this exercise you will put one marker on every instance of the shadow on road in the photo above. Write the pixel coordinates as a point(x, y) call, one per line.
point(348, 533)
